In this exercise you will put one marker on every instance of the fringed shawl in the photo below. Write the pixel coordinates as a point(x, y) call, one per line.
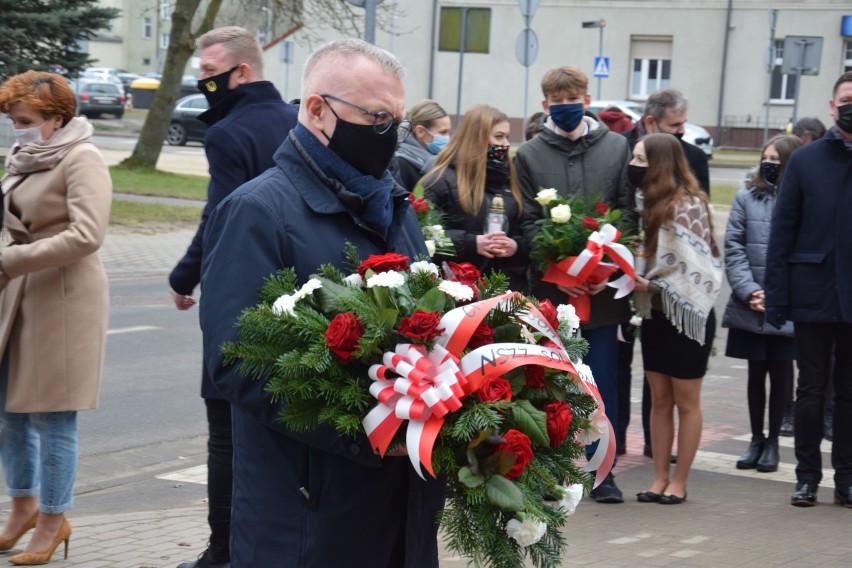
point(687, 269)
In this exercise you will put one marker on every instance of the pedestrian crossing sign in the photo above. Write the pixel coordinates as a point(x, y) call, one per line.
point(601, 66)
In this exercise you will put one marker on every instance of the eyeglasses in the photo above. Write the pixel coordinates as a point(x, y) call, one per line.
point(383, 121)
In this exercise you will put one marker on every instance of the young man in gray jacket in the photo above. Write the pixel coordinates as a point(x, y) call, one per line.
point(577, 155)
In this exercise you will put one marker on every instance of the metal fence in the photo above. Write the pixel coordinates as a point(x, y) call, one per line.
point(7, 137)
point(747, 131)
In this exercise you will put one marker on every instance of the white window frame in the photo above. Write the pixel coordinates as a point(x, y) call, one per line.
point(847, 56)
point(147, 27)
point(165, 10)
point(785, 78)
point(647, 85)
point(164, 40)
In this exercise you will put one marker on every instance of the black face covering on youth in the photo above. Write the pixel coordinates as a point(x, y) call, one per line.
point(770, 171)
point(362, 147)
point(844, 118)
point(636, 174)
point(215, 88)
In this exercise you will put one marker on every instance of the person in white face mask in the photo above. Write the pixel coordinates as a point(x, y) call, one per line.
point(57, 194)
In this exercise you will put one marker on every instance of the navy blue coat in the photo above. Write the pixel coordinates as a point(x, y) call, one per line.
point(306, 499)
point(809, 262)
point(237, 150)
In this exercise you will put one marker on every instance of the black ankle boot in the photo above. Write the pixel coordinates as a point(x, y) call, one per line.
point(769, 456)
point(787, 422)
point(749, 459)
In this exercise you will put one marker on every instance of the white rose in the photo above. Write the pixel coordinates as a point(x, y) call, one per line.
point(389, 279)
point(437, 231)
point(430, 247)
point(545, 196)
point(598, 426)
point(424, 266)
point(284, 304)
point(560, 214)
point(636, 321)
point(567, 315)
point(456, 290)
point(526, 531)
point(354, 281)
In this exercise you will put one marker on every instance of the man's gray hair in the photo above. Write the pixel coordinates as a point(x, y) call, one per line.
point(663, 100)
point(353, 47)
point(239, 43)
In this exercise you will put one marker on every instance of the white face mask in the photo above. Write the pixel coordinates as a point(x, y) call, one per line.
point(29, 135)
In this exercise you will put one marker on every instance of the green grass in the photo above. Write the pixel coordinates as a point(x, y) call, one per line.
point(159, 183)
point(723, 194)
point(131, 214)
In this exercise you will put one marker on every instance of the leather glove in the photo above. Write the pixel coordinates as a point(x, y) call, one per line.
point(776, 317)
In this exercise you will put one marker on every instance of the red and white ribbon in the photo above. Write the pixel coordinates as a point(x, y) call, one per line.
point(600, 243)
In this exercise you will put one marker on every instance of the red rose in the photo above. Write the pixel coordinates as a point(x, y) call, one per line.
point(601, 208)
point(420, 205)
point(549, 344)
point(591, 223)
point(494, 388)
point(342, 335)
point(421, 326)
point(558, 420)
point(383, 262)
point(548, 310)
point(535, 376)
point(484, 335)
point(519, 444)
point(465, 272)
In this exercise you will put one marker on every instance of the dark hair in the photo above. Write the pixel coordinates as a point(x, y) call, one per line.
point(534, 125)
point(809, 126)
point(784, 144)
point(845, 78)
point(667, 181)
point(46, 93)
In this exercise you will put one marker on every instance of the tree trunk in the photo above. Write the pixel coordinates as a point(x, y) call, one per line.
point(181, 47)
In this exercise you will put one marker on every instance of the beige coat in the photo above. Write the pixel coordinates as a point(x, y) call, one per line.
point(54, 310)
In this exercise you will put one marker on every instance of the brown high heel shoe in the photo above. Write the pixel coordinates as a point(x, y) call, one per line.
point(7, 544)
point(43, 557)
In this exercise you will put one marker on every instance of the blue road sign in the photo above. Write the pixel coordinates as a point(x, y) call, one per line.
point(601, 66)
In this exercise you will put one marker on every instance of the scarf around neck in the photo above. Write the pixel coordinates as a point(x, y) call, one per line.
point(376, 194)
point(685, 269)
point(33, 158)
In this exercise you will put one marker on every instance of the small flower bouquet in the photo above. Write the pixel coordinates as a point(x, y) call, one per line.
point(481, 385)
point(431, 224)
point(573, 238)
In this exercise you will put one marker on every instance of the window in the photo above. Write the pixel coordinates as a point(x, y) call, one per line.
point(652, 65)
point(477, 33)
point(783, 87)
point(147, 28)
point(847, 56)
point(164, 40)
point(165, 10)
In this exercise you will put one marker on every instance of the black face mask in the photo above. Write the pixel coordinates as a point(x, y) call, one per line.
point(215, 88)
point(636, 174)
point(844, 118)
point(770, 171)
point(362, 147)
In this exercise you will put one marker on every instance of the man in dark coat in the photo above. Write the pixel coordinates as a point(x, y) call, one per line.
point(809, 281)
point(316, 499)
point(237, 150)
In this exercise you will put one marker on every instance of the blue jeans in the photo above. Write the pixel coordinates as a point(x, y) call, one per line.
point(602, 359)
point(39, 453)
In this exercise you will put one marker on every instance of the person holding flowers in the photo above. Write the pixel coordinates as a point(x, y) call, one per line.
point(576, 155)
point(317, 498)
point(683, 277)
point(473, 184)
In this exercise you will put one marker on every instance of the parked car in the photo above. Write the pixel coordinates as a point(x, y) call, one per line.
point(103, 74)
point(184, 125)
point(694, 134)
point(95, 97)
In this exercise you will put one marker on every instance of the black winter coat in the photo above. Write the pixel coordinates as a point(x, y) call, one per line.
point(313, 499)
point(237, 151)
point(463, 228)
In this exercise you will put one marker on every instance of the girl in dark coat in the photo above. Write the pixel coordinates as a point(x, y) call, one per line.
point(768, 350)
point(473, 183)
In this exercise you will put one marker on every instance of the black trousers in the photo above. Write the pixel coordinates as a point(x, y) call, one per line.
point(816, 343)
point(220, 456)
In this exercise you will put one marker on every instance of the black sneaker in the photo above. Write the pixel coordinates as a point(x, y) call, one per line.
point(204, 561)
point(607, 491)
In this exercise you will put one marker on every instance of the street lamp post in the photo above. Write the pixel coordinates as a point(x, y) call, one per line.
point(599, 24)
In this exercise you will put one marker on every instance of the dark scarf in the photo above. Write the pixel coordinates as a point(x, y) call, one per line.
point(257, 91)
point(835, 134)
point(496, 174)
point(375, 194)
